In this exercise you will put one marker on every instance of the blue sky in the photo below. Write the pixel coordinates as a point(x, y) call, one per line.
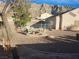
point(1, 1)
point(71, 3)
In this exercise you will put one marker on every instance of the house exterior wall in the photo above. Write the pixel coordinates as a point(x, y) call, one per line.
point(70, 18)
point(49, 23)
point(57, 23)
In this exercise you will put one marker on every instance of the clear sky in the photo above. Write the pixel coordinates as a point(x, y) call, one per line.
point(1, 1)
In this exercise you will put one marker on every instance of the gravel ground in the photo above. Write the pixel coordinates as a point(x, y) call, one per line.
point(51, 45)
point(65, 36)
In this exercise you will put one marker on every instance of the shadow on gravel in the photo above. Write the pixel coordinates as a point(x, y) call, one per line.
point(58, 49)
point(67, 44)
point(2, 53)
point(1, 50)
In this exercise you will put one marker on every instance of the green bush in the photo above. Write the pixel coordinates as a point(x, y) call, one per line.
point(22, 16)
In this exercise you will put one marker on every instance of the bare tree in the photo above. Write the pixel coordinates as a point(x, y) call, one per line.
point(5, 11)
point(8, 6)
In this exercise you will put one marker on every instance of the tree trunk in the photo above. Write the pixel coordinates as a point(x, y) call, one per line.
point(7, 44)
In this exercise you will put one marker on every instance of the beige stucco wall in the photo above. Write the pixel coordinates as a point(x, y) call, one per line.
point(68, 19)
point(57, 23)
